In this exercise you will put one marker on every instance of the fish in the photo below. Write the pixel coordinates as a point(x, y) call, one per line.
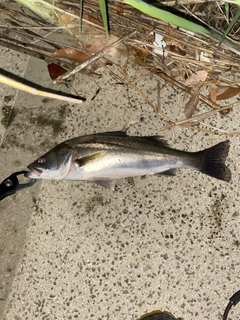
point(103, 157)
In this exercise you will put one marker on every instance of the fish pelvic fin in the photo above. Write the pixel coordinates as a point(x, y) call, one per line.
point(90, 158)
point(213, 161)
point(103, 183)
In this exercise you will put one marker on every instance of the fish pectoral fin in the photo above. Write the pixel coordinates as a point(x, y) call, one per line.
point(90, 158)
point(170, 172)
point(103, 183)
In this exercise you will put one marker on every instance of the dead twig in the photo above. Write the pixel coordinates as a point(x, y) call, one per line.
point(175, 83)
point(200, 116)
point(95, 57)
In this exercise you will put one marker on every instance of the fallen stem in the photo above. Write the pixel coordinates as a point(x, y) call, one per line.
point(131, 84)
point(94, 57)
point(18, 85)
point(200, 116)
point(174, 82)
point(216, 132)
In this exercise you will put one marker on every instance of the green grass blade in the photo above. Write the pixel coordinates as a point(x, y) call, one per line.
point(227, 5)
point(104, 13)
point(166, 16)
point(231, 25)
point(169, 17)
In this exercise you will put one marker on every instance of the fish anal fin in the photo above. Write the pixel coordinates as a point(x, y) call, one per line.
point(90, 158)
point(103, 183)
point(170, 172)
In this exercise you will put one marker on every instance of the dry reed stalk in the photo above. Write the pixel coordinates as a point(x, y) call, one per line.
point(185, 53)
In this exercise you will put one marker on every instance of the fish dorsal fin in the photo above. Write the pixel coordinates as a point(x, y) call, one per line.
point(157, 139)
point(90, 158)
point(112, 133)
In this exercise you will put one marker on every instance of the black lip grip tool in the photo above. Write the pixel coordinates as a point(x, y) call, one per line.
point(232, 302)
point(11, 184)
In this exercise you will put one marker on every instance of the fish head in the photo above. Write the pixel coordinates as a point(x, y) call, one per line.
point(55, 164)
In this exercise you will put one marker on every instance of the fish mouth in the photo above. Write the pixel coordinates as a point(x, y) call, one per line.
point(34, 172)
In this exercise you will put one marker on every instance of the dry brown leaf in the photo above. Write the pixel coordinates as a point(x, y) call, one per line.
point(223, 93)
point(212, 94)
point(175, 49)
point(66, 19)
point(96, 46)
point(228, 93)
point(196, 78)
point(72, 54)
point(79, 55)
point(191, 105)
point(55, 71)
point(143, 51)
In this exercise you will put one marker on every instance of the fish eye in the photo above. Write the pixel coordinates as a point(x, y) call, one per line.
point(41, 160)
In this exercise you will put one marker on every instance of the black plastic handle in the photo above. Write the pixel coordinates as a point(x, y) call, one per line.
point(11, 184)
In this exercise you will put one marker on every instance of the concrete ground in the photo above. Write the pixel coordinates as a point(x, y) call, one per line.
point(74, 250)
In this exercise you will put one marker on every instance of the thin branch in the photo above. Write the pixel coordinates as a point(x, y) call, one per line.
point(131, 84)
point(18, 85)
point(174, 82)
point(200, 116)
point(95, 57)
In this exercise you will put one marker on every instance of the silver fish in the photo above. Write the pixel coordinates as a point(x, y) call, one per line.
point(103, 157)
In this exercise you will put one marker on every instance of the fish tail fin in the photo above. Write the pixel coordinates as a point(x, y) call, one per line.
point(213, 161)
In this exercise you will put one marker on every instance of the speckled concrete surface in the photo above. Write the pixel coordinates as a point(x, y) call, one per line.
point(169, 243)
point(11, 241)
